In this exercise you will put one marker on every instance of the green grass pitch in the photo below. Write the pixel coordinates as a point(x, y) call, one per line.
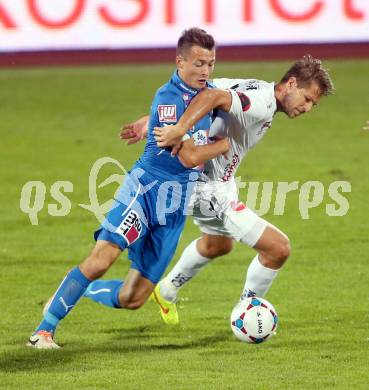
point(55, 123)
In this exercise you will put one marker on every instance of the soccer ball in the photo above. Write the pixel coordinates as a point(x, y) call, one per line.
point(254, 320)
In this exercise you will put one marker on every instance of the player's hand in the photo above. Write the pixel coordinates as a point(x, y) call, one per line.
point(167, 136)
point(176, 148)
point(133, 132)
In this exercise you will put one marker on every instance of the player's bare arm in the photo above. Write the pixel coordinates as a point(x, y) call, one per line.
point(136, 131)
point(204, 102)
point(191, 155)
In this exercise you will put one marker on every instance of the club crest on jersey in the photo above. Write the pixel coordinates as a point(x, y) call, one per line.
point(201, 137)
point(245, 101)
point(167, 113)
point(131, 227)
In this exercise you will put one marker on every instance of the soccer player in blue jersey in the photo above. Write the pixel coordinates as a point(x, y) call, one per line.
point(148, 214)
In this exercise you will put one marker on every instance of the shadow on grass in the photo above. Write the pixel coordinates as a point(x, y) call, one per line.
point(27, 359)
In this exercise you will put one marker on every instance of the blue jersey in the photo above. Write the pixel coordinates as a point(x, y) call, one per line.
point(169, 104)
point(148, 214)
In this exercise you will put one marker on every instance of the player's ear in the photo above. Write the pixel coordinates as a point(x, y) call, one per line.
point(179, 61)
point(292, 83)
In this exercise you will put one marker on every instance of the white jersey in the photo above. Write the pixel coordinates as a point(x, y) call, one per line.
point(250, 116)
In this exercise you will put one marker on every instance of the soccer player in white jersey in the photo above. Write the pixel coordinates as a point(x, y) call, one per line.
point(248, 108)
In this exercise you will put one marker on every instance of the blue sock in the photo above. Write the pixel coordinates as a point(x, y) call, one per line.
point(70, 290)
point(105, 292)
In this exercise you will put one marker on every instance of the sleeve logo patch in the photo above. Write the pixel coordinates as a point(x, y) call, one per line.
point(201, 137)
point(245, 101)
point(237, 205)
point(131, 227)
point(167, 113)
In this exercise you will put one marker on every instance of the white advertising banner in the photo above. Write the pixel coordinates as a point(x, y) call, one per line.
point(121, 24)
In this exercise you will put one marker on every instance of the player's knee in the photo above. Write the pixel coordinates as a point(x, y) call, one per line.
point(225, 248)
point(213, 248)
point(132, 305)
point(282, 250)
point(99, 261)
point(131, 298)
point(94, 267)
point(131, 301)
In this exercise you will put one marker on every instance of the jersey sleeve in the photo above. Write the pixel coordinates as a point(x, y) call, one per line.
point(218, 127)
point(247, 108)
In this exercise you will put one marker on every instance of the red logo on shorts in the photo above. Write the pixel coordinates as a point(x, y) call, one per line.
point(167, 113)
point(237, 205)
point(131, 227)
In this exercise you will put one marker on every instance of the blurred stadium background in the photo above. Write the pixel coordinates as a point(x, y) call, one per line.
point(105, 31)
point(57, 121)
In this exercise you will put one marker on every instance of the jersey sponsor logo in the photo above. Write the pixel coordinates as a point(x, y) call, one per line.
point(237, 205)
point(167, 113)
point(245, 101)
point(252, 85)
point(131, 227)
point(231, 167)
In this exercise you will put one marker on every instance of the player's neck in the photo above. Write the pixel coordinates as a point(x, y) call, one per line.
point(279, 94)
point(186, 81)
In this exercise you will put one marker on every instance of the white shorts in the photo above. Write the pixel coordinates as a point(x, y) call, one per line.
point(215, 208)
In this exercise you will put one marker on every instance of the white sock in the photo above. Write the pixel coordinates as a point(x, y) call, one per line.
point(189, 264)
point(258, 278)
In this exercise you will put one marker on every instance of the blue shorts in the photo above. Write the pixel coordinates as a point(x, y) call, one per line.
point(142, 220)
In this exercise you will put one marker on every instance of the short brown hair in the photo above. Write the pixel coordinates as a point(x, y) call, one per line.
point(307, 70)
point(194, 37)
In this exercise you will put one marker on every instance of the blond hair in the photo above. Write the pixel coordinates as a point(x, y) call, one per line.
point(307, 70)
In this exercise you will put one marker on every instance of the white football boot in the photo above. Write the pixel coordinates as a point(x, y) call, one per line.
point(42, 340)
